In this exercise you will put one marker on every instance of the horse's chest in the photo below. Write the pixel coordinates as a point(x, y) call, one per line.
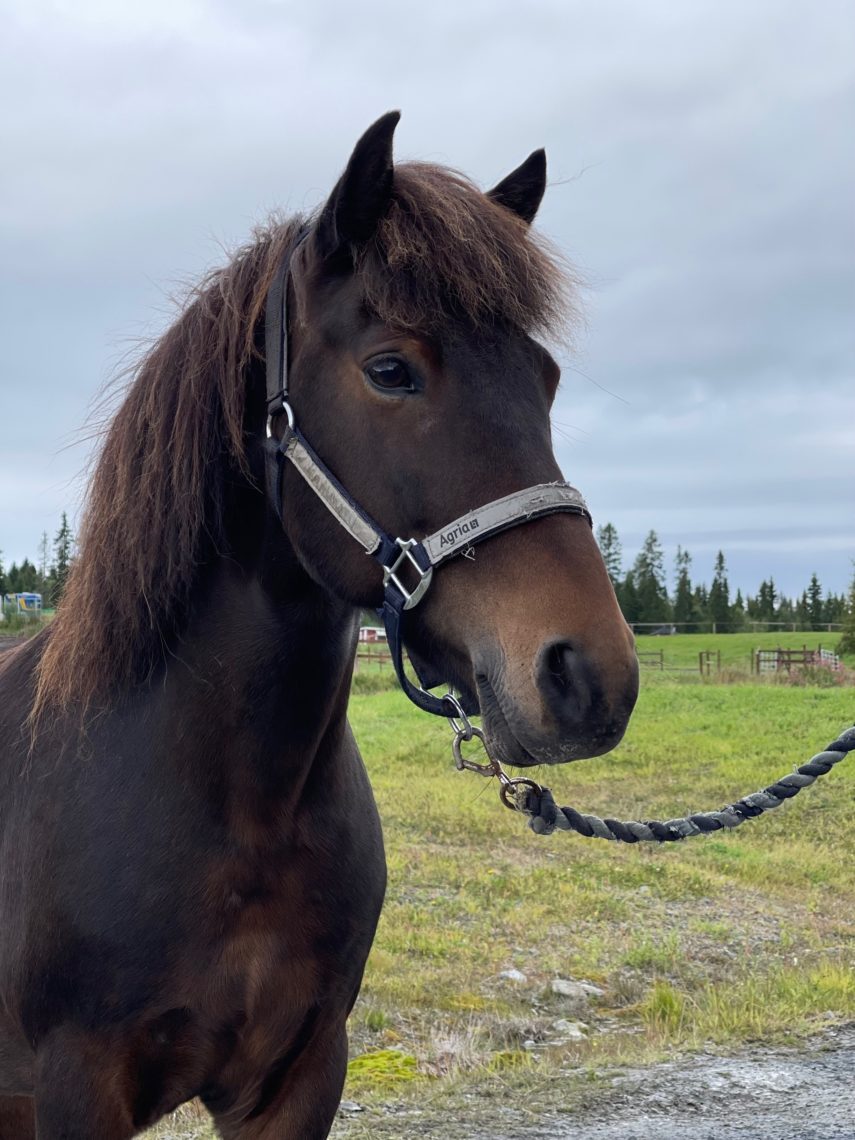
point(288, 954)
point(285, 939)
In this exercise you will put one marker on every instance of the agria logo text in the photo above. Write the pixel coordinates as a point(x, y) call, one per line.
point(451, 537)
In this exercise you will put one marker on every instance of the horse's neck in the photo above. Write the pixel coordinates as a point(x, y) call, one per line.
point(259, 689)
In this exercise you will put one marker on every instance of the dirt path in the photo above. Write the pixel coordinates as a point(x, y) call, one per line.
point(786, 1094)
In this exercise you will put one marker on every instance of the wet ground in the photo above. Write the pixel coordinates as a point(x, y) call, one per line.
point(801, 1093)
point(786, 1094)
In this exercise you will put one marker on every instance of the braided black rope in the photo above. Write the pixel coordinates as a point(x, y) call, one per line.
point(546, 816)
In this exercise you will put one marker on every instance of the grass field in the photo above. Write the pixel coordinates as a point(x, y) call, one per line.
point(736, 649)
point(748, 936)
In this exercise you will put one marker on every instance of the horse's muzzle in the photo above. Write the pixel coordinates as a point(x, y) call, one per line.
point(561, 711)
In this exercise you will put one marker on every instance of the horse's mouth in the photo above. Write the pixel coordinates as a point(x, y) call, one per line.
point(512, 741)
point(503, 743)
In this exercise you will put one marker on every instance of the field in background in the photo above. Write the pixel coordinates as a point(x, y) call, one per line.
point(681, 650)
point(747, 936)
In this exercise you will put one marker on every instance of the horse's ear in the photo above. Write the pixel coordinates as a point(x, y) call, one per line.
point(362, 194)
point(523, 189)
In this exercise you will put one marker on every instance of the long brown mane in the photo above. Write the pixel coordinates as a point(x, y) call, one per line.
point(154, 509)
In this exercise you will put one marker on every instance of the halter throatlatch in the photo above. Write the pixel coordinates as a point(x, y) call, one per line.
point(407, 563)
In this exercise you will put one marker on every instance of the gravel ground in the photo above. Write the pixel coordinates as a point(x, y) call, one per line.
point(782, 1094)
point(777, 1095)
point(800, 1093)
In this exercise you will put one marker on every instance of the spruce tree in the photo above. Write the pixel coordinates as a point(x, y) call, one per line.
point(719, 603)
point(801, 613)
point(737, 612)
point(610, 548)
point(700, 603)
point(765, 602)
point(683, 608)
point(649, 576)
point(814, 602)
point(62, 553)
point(628, 599)
point(3, 584)
point(22, 579)
point(846, 644)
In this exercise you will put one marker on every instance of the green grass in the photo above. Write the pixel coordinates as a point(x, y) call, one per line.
point(20, 625)
point(743, 936)
point(473, 892)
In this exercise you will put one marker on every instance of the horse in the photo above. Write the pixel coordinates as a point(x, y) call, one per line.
point(192, 860)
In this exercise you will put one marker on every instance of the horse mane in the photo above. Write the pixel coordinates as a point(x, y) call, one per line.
point(154, 508)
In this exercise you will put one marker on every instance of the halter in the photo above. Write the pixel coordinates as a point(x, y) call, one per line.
point(412, 559)
point(420, 557)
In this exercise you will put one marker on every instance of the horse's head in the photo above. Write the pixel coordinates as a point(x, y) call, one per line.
point(415, 377)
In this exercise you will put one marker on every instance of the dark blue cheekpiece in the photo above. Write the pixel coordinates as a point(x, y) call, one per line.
point(392, 616)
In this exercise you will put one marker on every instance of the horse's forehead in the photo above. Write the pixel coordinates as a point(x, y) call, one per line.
point(339, 315)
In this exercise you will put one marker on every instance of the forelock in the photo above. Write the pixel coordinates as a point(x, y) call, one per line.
point(446, 252)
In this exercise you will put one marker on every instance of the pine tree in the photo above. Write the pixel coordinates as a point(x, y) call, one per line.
point(737, 612)
point(765, 602)
point(801, 612)
point(700, 603)
point(846, 644)
point(833, 609)
point(683, 608)
point(628, 599)
point(62, 553)
point(720, 596)
point(4, 589)
point(22, 579)
point(814, 602)
point(610, 548)
point(649, 577)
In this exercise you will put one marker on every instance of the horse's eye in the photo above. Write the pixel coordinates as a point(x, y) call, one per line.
point(390, 374)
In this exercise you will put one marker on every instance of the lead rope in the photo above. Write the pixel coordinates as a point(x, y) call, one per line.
point(545, 816)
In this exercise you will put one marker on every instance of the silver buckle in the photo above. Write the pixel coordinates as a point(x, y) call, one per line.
point(411, 597)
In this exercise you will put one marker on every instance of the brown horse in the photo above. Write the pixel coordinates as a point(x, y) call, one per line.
point(192, 863)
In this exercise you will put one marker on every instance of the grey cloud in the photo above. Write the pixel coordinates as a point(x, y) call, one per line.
point(702, 179)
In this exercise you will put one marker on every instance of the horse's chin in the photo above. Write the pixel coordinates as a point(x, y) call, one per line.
point(512, 741)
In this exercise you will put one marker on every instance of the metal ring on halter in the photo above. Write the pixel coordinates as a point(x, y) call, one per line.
point(508, 790)
point(466, 730)
point(289, 413)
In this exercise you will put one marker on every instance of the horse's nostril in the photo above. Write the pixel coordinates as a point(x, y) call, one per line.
point(559, 663)
point(565, 680)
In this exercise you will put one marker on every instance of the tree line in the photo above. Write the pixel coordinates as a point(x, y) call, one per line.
point(642, 589)
point(45, 576)
point(643, 594)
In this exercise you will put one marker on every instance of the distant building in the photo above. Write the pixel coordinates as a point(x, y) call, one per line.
point(27, 604)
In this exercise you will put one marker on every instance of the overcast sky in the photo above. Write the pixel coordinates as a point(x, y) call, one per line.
point(701, 168)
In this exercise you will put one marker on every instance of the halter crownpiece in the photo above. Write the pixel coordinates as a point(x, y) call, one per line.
point(408, 563)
